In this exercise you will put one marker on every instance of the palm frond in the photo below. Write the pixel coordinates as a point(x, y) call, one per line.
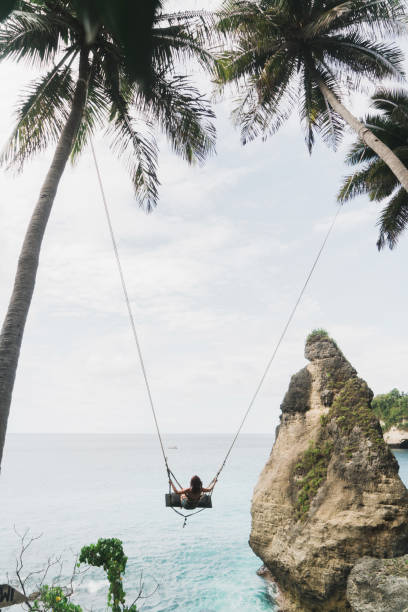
point(183, 114)
point(381, 181)
point(359, 153)
point(95, 115)
point(36, 38)
point(256, 118)
point(41, 116)
point(238, 16)
point(393, 220)
point(176, 43)
point(353, 186)
point(139, 151)
point(393, 104)
point(372, 18)
point(362, 57)
point(315, 112)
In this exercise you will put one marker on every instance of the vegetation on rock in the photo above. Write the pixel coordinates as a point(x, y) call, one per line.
point(349, 430)
point(351, 409)
point(316, 335)
point(311, 472)
point(392, 409)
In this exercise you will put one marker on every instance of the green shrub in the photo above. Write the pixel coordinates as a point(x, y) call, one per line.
point(108, 554)
point(392, 409)
point(317, 334)
point(311, 471)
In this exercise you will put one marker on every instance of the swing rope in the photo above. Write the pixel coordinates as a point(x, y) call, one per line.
point(170, 474)
point(281, 338)
point(128, 305)
point(285, 329)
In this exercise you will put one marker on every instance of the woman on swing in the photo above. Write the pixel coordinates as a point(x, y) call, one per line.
point(189, 498)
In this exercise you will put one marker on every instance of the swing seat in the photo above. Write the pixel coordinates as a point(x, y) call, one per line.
point(173, 501)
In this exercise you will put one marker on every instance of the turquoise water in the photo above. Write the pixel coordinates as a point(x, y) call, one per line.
point(76, 488)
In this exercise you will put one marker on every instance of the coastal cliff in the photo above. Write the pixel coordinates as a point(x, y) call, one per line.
point(330, 492)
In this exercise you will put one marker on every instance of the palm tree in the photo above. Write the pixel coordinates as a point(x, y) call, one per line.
point(89, 83)
point(309, 54)
point(374, 177)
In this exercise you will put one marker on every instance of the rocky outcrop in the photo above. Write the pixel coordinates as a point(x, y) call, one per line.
point(330, 492)
point(396, 438)
point(379, 585)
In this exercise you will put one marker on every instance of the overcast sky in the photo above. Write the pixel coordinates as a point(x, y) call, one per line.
point(212, 275)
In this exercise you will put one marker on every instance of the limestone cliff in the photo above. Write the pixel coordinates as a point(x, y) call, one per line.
point(379, 585)
point(330, 492)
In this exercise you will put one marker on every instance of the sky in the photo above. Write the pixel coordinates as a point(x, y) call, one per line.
point(212, 273)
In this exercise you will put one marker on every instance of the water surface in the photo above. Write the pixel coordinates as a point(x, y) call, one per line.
point(76, 488)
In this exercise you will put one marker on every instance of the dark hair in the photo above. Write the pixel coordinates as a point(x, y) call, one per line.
point(196, 484)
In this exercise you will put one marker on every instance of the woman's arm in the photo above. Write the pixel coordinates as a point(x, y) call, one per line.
point(209, 489)
point(173, 487)
point(181, 492)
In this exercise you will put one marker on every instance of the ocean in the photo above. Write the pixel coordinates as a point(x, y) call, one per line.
point(73, 489)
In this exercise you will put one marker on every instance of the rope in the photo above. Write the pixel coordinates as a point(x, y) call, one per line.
point(281, 338)
point(136, 338)
point(129, 308)
point(285, 329)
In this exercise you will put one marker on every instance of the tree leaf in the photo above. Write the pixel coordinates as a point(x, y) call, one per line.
point(6, 6)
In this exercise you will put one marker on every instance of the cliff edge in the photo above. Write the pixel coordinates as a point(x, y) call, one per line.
point(330, 492)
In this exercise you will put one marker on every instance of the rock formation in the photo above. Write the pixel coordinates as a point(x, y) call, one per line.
point(396, 437)
point(330, 492)
point(379, 585)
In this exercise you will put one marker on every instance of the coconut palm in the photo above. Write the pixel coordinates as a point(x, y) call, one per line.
point(88, 84)
point(309, 54)
point(373, 177)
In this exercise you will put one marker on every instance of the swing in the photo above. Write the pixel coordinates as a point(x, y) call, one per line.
point(172, 500)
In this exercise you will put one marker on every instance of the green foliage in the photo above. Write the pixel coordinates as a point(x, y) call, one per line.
point(6, 6)
point(320, 334)
point(351, 409)
point(132, 23)
point(131, 94)
point(54, 599)
point(349, 423)
point(311, 472)
point(284, 50)
point(372, 176)
point(392, 409)
point(108, 554)
point(317, 334)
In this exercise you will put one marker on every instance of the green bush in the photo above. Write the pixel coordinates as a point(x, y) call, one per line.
point(317, 334)
point(311, 471)
point(108, 554)
point(392, 409)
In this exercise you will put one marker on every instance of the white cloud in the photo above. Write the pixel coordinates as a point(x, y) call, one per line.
point(212, 273)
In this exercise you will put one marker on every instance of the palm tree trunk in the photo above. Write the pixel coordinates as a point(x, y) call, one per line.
point(367, 136)
point(13, 327)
